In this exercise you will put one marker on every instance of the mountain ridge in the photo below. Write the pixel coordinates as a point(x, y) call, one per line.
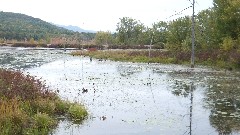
point(21, 27)
point(75, 28)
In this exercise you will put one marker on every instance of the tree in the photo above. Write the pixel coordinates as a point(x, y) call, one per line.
point(160, 32)
point(32, 41)
point(228, 17)
point(144, 38)
point(179, 32)
point(41, 41)
point(207, 36)
point(103, 38)
point(129, 30)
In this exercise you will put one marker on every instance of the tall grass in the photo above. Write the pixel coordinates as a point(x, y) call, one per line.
point(27, 106)
point(129, 55)
point(216, 58)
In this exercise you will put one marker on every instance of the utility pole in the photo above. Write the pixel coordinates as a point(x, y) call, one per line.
point(193, 36)
point(64, 42)
point(150, 47)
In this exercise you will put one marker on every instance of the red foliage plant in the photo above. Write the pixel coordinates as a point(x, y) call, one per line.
point(16, 84)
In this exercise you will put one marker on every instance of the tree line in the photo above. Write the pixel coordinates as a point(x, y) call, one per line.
point(216, 28)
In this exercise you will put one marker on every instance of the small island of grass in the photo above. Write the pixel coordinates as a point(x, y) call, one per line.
point(217, 59)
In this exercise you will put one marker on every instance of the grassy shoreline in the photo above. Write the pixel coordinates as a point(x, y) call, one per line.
point(27, 106)
point(216, 59)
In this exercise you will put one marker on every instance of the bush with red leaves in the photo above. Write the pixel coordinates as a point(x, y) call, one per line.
point(16, 84)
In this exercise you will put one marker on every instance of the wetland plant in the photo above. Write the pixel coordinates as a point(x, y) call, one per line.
point(27, 106)
point(217, 58)
point(77, 112)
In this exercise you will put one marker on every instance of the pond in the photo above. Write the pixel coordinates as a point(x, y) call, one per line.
point(135, 98)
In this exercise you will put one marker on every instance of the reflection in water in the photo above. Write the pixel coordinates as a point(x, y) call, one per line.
point(23, 58)
point(150, 86)
point(181, 88)
point(127, 70)
point(223, 98)
point(191, 108)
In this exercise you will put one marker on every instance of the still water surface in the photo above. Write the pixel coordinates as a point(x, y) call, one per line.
point(135, 98)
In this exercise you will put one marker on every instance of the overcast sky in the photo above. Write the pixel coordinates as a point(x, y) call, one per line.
point(101, 14)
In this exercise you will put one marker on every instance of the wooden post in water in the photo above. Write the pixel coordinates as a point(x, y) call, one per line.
point(65, 45)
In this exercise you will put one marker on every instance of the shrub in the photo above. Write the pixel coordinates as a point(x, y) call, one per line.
point(12, 119)
point(227, 44)
point(26, 87)
point(77, 112)
point(44, 105)
point(43, 121)
point(24, 45)
point(62, 107)
point(27, 106)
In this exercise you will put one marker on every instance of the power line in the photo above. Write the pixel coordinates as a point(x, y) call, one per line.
point(179, 13)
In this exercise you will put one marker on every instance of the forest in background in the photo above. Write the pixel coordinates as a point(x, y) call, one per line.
point(217, 36)
point(215, 28)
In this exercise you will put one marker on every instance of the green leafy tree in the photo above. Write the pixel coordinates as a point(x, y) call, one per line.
point(207, 36)
point(144, 38)
point(103, 38)
point(160, 32)
point(227, 44)
point(129, 31)
point(228, 17)
point(178, 32)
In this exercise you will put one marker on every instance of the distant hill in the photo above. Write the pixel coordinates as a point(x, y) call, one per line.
point(19, 27)
point(76, 29)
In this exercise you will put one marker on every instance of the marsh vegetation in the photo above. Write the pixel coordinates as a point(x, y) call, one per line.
point(218, 59)
point(28, 106)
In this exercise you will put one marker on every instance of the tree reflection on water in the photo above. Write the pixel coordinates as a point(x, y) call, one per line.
point(127, 70)
point(181, 88)
point(223, 98)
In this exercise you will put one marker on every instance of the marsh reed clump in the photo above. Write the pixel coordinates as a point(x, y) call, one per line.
point(28, 106)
